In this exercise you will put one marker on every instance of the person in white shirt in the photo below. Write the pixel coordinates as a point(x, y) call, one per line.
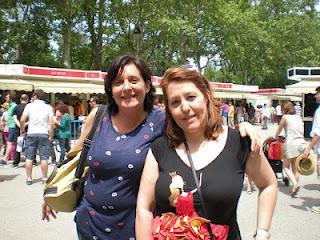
point(315, 142)
point(265, 116)
point(297, 107)
point(40, 133)
point(294, 145)
point(278, 112)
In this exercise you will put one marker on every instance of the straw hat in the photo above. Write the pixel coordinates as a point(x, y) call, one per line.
point(305, 166)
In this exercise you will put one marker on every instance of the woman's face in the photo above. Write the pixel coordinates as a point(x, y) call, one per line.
point(187, 106)
point(129, 89)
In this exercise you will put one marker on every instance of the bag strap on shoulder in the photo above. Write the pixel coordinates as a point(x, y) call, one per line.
point(99, 114)
point(88, 140)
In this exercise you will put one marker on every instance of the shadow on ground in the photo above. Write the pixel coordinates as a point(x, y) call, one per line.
point(306, 204)
point(312, 187)
point(8, 177)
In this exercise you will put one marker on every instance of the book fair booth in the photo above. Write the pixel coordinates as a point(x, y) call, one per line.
point(71, 86)
point(307, 79)
point(68, 83)
point(275, 95)
point(51, 80)
point(223, 91)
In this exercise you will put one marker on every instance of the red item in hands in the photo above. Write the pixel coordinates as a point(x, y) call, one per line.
point(186, 224)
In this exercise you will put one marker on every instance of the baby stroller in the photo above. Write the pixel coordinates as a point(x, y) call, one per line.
point(272, 149)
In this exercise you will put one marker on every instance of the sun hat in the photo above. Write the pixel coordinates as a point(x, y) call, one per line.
point(305, 166)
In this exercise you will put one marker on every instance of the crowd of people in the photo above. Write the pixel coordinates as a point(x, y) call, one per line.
point(139, 160)
point(260, 115)
point(37, 125)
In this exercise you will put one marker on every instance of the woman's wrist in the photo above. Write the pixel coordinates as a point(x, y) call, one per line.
point(261, 234)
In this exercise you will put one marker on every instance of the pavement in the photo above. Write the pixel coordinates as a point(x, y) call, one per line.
point(20, 208)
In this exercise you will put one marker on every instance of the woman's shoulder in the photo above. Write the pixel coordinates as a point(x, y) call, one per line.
point(66, 117)
point(234, 137)
point(160, 141)
point(160, 147)
point(292, 117)
point(156, 113)
point(160, 144)
point(156, 119)
point(233, 132)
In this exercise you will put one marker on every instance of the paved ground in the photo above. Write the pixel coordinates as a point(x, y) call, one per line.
point(20, 209)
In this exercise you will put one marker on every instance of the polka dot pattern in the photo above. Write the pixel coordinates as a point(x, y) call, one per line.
point(116, 161)
point(92, 213)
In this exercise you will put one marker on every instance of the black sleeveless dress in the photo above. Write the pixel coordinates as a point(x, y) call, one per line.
point(222, 180)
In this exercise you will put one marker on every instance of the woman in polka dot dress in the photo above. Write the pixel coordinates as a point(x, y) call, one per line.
point(116, 158)
point(118, 152)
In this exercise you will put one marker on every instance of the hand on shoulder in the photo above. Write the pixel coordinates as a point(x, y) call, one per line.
point(247, 130)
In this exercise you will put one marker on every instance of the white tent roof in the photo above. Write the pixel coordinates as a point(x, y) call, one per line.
point(16, 84)
point(237, 95)
point(303, 87)
point(51, 86)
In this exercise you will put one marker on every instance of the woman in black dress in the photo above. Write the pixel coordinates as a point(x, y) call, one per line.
point(220, 155)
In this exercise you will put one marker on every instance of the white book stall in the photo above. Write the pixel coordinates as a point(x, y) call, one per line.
point(306, 80)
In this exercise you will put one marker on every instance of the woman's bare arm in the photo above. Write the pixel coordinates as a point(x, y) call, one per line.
point(146, 198)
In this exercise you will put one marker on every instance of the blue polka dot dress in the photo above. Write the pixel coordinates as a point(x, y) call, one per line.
point(107, 210)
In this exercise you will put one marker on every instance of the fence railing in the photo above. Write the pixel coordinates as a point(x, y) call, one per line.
point(76, 126)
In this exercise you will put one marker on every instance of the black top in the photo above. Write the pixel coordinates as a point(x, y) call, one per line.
point(18, 111)
point(222, 180)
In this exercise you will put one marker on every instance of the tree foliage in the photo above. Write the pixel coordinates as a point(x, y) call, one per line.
point(243, 41)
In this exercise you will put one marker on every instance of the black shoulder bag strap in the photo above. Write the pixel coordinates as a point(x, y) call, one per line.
point(204, 210)
point(88, 140)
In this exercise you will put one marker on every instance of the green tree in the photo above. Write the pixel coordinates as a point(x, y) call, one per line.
point(67, 14)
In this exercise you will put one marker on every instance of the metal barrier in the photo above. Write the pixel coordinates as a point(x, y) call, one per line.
point(76, 129)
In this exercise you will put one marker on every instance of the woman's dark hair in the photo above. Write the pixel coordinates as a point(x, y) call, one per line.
point(12, 94)
point(95, 98)
point(213, 124)
point(63, 108)
point(288, 108)
point(116, 69)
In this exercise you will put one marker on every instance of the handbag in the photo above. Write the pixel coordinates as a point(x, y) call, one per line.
point(187, 224)
point(20, 144)
point(64, 187)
